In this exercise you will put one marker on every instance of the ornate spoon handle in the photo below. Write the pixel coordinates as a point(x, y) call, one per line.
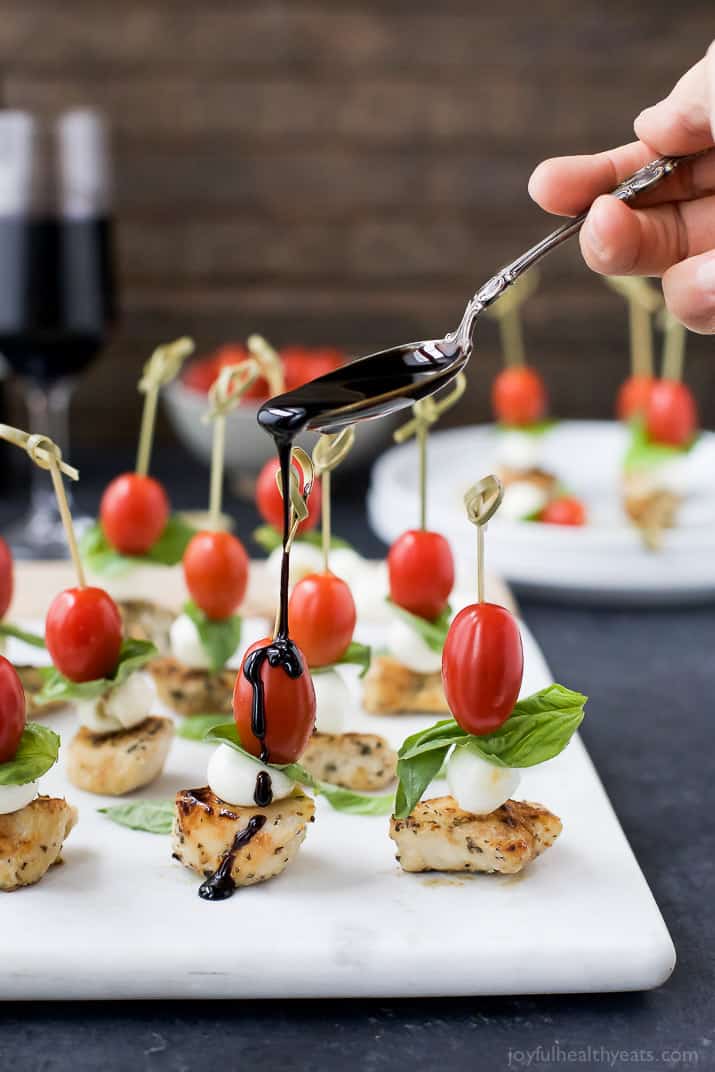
point(635, 184)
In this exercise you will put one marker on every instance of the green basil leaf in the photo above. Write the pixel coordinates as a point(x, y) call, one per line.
point(151, 816)
point(37, 752)
point(100, 556)
point(218, 639)
point(195, 727)
point(414, 775)
point(539, 727)
point(8, 629)
point(433, 633)
point(133, 656)
point(642, 453)
point(268, 538)
point(356, 655)
point(340, 799)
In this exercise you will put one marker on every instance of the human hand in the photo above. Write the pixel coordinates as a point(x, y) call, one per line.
point(672, 232)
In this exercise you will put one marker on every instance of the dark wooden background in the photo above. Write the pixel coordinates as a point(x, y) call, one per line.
point(348, 171)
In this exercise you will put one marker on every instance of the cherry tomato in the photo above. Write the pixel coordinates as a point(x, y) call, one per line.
point(420, 567)
point(322, 617)
point(216, 572)
point(83, 633)
point(6, 577)
point(632, 397)
point(519, 396)
point(134, 511)
point(12, 710)
point(302, 364)
point(482, 667)
point(290, 710)
point(564, 511)
point(270, 502)
point(671, 414)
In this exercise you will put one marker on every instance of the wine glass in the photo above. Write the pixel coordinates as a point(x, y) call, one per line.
point(57, 300)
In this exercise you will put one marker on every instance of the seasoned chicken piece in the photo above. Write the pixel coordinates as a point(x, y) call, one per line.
point(116, 763)
point(391, 689)
point(440, 836)
point(652, 513)
point(542, 479)
point(32, 682)
point(144, 620)
point(31, 840)
point(207, 831)
point(189, 691)
point(354, 760)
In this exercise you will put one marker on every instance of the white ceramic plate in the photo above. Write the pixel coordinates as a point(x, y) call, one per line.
point(121, 919)
point(604, 561)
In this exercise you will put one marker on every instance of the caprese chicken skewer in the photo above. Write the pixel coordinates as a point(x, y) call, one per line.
point(420, 570)
point(490, 736)
point(194, 677)
point(120, 746)
point(33, 827)
point(323, 618)
point(654, 470)
point(136, 530)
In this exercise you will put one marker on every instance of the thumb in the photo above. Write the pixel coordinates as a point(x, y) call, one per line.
point(685, 121)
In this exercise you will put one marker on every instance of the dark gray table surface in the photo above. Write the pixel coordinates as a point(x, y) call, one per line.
point(651, 678)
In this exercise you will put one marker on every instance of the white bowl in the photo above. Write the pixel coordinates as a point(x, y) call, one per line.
point(248, 447)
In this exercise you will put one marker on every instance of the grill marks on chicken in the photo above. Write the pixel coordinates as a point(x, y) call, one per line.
point(393, 689)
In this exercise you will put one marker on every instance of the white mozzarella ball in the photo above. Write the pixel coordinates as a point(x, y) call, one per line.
point(669, 476)
point(186, 644)
point(348, 564)
point(521, 500)
point(16, 797)
point(304, 559)
point(410, 650)
point(332, 701)
point(477, 785)
point(519, 450)
point(92, 714)
point(232, 777)
point(131, 702)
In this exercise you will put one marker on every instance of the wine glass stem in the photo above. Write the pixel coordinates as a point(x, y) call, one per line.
point(48, 413)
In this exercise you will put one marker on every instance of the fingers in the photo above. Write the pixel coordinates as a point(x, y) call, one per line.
point(568, 184)
point(689, 291)
point(618, 240)
point(685, 121)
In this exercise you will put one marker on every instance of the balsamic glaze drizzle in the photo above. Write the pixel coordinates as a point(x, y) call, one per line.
point(372, 387)
point(263, 793)
point(221, 885)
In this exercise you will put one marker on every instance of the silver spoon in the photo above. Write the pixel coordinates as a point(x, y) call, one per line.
point(396, 378)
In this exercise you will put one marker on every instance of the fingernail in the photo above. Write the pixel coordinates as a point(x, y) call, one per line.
point(705, 276)
point(594, 235)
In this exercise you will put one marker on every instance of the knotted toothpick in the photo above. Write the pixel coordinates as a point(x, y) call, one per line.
point(225, 395)
point(269, 363)
point(482, 501)
point(328, 453)
point(507, 313)
point(425, 413)
point(643, 301)
point(47, 455)
point(161, 368)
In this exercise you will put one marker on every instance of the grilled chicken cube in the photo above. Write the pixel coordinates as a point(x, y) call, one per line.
point(190, 691)
point(360, 761)
point(144, 620)
point(31, 840)
point(652, 513)
point(438, 835)
point(206, 828)
point(32, 683)
point(392, 689)
point(113, 764)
